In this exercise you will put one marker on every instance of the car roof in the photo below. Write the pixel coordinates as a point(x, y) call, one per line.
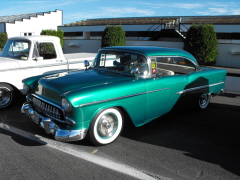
point(153, 51)
point(35, 38)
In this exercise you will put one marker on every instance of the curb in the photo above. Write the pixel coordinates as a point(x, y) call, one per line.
point(232, 83)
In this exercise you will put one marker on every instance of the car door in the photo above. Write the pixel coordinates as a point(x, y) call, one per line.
point(49, 62)
point(162, 94)
point(167, 91)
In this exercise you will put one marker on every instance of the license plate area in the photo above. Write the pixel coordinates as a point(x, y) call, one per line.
point(36, 118)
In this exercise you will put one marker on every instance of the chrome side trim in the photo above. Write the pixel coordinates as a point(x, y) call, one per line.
point(216, 84)
point(197, 88)
point(121, 97)
point(32, 67)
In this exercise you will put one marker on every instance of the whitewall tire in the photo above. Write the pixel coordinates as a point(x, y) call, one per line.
point(6, 95)
point(106, 126)
point(204, 101)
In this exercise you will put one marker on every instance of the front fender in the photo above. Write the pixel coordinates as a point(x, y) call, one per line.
point(89, 101)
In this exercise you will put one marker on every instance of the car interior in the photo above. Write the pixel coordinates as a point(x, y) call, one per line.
point(167, 66)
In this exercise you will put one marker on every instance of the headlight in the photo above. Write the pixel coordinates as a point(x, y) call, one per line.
point(25, 88)
point(66, 105)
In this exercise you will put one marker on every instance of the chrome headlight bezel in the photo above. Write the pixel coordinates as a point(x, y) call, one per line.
point(66, 105)
point(25, 88)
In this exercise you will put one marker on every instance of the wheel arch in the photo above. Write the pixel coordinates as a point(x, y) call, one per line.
point(127, 119)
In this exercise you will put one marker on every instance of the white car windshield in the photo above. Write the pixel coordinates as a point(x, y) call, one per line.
point(16, 49)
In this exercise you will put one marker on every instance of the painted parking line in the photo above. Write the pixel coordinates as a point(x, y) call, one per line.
point(90, 157)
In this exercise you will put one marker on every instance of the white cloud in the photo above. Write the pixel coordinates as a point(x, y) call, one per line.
point(235, 11)
point(126, 11)
point(175, 5)
point(186, 5)
point(32, 2)
point(110, 12)
point(218, 10)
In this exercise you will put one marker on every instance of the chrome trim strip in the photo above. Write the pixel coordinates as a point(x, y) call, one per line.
point(197, 88)
point(216, 84)
point(121, 97)
point(43, 66)
point(32, 67)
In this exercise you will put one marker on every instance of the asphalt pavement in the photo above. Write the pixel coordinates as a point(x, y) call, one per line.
point(191, 144)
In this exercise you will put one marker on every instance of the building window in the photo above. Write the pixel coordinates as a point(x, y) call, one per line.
point(27, 33)
point(67, 34)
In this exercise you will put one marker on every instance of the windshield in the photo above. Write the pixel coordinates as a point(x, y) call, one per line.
point(17, 49)
point(121, 61)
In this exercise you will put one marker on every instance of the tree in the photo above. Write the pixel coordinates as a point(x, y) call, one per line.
point(113, 36)
point(59, 33)
point(3, 40)
point(201, 42)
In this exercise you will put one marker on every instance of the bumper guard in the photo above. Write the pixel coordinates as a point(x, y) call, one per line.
point(52, 128)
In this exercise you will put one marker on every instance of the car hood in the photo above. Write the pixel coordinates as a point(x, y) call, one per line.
point(7, 63)
point(53, 86)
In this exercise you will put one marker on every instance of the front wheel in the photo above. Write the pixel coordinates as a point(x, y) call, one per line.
point(6, 95)
point(106, 126)
point(204, 101)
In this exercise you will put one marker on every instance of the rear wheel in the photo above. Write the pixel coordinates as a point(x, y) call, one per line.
point(204, 101)
point(7, 95)
point(106, 126)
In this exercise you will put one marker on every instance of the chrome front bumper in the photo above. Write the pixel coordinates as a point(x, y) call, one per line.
point(52, 128)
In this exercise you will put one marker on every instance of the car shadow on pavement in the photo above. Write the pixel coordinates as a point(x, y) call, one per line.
point(211, 135)
point(21, 139)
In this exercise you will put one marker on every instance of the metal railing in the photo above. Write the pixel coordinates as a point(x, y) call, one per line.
point(19, 17)
point(177, 26)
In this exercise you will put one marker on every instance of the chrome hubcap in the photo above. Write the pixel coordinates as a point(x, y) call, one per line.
point(107, 125)
point(5, 96)
point(203, 100)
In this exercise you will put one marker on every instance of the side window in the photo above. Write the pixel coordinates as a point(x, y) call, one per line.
point(174, 65)
point(109, 60)
point(47, 51)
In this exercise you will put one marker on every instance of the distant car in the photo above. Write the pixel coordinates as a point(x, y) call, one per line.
point(136, 82)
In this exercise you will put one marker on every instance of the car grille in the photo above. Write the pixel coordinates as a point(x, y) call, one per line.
point(48, 109)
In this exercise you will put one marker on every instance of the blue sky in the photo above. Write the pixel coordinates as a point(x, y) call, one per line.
point(75, 10)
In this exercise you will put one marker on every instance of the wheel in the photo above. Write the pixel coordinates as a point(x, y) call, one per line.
point(204, 100)
point(6, 95)
point(106, 126)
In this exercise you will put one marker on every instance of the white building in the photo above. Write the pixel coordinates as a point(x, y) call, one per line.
point(168, 31)
point(31, 23)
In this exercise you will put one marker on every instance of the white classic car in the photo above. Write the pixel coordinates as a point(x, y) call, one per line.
point(27, 56)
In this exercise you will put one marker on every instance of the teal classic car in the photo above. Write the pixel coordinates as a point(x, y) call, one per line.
point(139, 83)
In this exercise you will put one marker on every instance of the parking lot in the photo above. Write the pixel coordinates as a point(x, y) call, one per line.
point(191, 144)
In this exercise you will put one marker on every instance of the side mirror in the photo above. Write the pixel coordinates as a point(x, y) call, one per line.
point(38, 59)
point(86, 63)
point(135, 71)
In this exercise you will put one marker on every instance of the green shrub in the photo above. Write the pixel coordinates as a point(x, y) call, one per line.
point(59, 33)
point(3, 40)
point(201, 42)
point(113, 36)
